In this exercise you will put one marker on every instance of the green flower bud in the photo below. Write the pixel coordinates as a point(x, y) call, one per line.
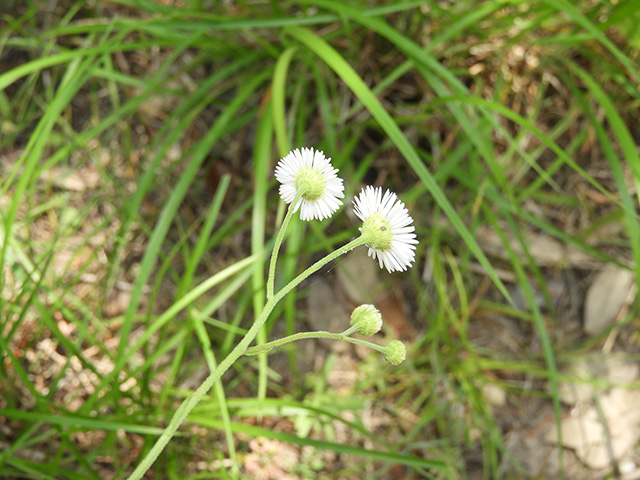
point(367, 320)
point(395, 352)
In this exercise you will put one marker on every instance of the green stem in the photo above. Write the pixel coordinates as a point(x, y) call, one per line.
point(267, 347)
point(271, 279)
point(192, 400)
point(364, 343)
point(350, 330)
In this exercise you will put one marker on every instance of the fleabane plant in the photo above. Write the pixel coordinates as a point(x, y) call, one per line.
point(310, 184)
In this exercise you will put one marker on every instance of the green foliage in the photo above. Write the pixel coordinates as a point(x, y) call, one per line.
point(136, 158)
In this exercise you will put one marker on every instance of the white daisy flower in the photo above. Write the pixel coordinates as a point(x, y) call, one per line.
point(386, 228)
point(309, 176)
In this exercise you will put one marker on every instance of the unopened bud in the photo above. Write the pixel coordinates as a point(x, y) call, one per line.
point(395, 352)
point(367, 320)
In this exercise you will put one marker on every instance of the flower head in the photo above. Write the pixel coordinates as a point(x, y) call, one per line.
point(309, 179)
point(395, 352)
point(386, 228)
point(367, 319)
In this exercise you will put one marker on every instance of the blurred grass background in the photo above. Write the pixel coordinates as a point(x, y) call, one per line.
point(137, 144)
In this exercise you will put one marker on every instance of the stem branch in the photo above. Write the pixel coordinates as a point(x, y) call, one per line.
point(267, 347)
point(192, 400)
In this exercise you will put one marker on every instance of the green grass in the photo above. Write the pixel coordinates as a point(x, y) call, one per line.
point(173, 117)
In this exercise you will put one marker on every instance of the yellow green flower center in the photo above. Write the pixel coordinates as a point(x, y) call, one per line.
point(310, 183)
point(377, 232)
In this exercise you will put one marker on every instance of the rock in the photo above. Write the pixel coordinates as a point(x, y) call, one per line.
point(599, 445)
point(612, 289)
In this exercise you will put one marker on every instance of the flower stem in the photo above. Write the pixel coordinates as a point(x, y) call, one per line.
point(267, 347)
point(364, 343)
point(350, 330)
point(271, 279)
point(192, 400)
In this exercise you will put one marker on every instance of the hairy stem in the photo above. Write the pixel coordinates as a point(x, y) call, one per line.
point(271, 279)
point(192, 400)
